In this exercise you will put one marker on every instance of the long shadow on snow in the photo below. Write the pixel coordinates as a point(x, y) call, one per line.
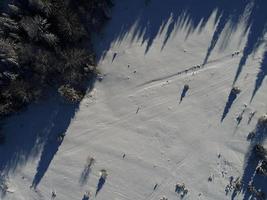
point(61, 120)
point(231, 98)
point(84, 176)
point(146, 20)
point(260, 76)
point(27, 132)
point(250, 165)
point(256, 28)
point(86, 172)
point(100, 185)
point(41, 123)
point(52, 143)
point(185, 89)
point(33, 131)
point(231, 12)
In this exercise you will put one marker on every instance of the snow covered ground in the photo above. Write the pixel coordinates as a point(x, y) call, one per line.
point(133, 123)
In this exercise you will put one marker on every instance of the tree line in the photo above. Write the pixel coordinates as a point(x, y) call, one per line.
point(44, 44)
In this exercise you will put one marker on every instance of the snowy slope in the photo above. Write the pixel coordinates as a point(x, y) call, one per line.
point(135, 111)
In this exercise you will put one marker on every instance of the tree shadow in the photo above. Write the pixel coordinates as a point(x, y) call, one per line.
point(250, 178)
point(230, 12)
point(256, 28)
point(240, 117)
point(61, 121)
point(57, 130)
point(260, 76)
point(145, 22)
point(85, 175)
point(251, 115)
point(185, 89)
point(34, 131)
point(231, 98)
point(29, 133)
point(114, 56)
point(101, 181)
point(26, 132)
point(86, 171)
point(38, 128)
point(100, 184)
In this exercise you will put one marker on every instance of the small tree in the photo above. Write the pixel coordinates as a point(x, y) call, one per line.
point(235, 90)
point(263, 120)
point(70, 93)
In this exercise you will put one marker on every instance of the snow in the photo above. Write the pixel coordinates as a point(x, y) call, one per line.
point(135, 111)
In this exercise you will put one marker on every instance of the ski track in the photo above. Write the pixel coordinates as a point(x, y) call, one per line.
point(165, 142)
point(165, 181)
point(100, 132)
point(186, 72)
point(182, 74)
point(96, 134)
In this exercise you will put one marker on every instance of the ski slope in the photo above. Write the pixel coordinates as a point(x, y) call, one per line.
point(132, 122)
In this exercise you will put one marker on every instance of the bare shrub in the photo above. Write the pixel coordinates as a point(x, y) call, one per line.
point(235, 90)
point(263, 120)
point(70, 93)
point(103, 173)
